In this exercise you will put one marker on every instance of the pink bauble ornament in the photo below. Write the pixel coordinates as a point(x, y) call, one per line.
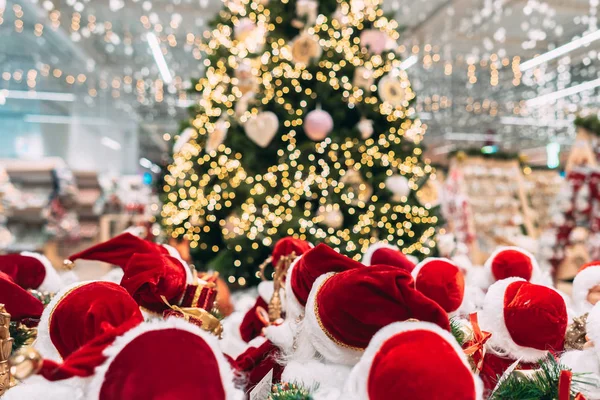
point(317, 125)
point(374, 40)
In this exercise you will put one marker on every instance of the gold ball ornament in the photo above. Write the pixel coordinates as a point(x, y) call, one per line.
point(393, 90)
point(355, 187)
point(304, 48)
point(24, 363)
point(330, 216)
point(261, 128)
point(428, 194)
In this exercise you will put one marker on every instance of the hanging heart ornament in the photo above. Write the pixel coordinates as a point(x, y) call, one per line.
point(261, 128)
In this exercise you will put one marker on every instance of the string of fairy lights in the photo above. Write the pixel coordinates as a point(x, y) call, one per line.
point(290, 185)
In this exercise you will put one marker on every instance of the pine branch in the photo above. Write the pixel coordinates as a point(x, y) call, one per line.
point(457, 332)
point(21, 335)
point(541, 385)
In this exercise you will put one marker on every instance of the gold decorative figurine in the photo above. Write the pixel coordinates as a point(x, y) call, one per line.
point(5, 349)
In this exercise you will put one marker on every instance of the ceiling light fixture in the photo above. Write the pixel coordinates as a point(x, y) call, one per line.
point(559, 94)
point(521, 121)
point(35, 95)
point(159, 57)
point(110, 143)
point(64, 120)
point(559, 51)
point(409, 62)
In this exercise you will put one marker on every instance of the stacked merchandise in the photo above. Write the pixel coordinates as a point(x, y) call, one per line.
point(89, 204)
point(486, 203)
point(8, 196)
point(42, 203)
point(543, 187)
point(574, 235)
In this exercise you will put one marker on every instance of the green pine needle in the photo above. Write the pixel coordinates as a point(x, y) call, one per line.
point(289, 391)
point(21, 335)
point(456, 330)
point(542, 385)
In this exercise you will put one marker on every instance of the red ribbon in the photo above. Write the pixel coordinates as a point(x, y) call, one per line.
point(564, 386)
point(476, 347)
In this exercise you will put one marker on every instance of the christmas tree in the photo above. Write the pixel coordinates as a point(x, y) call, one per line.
point(304, 126)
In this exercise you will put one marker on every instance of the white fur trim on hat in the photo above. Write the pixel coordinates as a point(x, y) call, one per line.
point(322, 379)
point(43, 342)
point(38, 388)
point(282, 335)
point(52, 282)
point(584, 362)
point(536, 273)
point(491, 319)
point(294, 310)
point(111, 352)
point(593, 327)
point(357, 382)
point(189, 277)
point(366, 258)
point(584, 281)
point(311, 340)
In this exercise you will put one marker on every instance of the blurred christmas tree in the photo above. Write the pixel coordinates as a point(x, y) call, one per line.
point(304, 126)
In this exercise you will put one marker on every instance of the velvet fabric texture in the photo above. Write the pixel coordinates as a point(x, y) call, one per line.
point(535, 316)
point(89, 311)
point(19, 303)
point(287, 246)
point(256, 362)
point(314, 263)
point(251, 325)
point(419, 365)
point(118, 250)
point(393, 257)
point(511, 263)
point(85, 359)
point(184, 368)
point(27, 272)
point(353, 305)
point(494, 366)
point(441, 281)
point(147, 277)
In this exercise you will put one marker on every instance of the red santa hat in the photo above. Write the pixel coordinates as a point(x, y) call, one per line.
point(442, 281)
point(31, 271)
point(512, 262)
point(346, 309)
point(526, 320)
point(120, 249)
point(413, 360)
point(81, 312)
point(170, 360)
point(306, 269)
point(253, 322)
point(288, 245)
point(385, 254)
point(587, 277)
point(19, 303)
